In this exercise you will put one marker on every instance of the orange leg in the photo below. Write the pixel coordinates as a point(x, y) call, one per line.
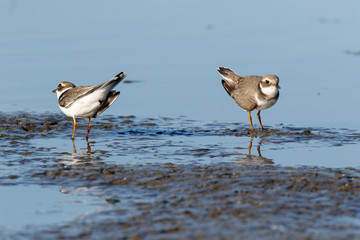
point(74, 146)
point(250, 145)
point(250, 120)
point(88, 130)
point(73, 135)
point(258, 115)
point(88, 147)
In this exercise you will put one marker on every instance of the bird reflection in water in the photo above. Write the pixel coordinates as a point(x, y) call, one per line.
point(252, 158)
point(88, 146)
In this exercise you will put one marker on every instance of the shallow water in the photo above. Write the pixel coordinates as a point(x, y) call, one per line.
point(174, 157)
point(131, 140)
point(41, 205)
point(137, 166)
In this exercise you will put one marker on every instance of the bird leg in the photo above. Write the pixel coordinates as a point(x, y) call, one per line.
point(73, 135)
point(88, 147)
point(250, 144)
point(250, 120)
point(258, 115)
point(88, 130)
point(74, 145)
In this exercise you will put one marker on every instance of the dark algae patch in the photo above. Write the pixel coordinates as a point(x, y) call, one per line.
point(157, 179)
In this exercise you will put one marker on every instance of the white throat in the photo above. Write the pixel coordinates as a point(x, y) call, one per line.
point(270, 92)
point(58, 93)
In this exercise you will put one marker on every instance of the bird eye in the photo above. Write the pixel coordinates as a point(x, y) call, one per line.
point(267, 81)
point(59, 85)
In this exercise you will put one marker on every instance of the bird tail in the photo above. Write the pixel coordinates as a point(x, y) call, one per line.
point(227, 74)
point(112, 96)
point(114, 81)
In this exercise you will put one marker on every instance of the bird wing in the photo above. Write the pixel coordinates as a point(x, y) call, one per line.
point(110, 99)
point(243, 91)
point(73, 94)
point(110, 84)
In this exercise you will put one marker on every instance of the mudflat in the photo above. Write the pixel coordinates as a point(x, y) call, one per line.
point(161, 179)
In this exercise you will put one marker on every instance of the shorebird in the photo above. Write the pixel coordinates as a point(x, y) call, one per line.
point(87, 102)
point(251, 92)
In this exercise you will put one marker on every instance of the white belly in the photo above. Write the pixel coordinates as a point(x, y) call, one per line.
point(84, 107)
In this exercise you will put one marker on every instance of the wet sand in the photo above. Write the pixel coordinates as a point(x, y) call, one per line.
point(226, 201)
point(248, 198)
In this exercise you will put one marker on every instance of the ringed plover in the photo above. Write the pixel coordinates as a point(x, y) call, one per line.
point(87, 102)
point(251, 92)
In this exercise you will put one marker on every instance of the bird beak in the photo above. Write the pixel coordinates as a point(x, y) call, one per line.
point(54, 91)
point(277, 86)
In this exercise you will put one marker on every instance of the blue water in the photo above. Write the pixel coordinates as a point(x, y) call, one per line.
point(22, 206)
point(173, 49)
